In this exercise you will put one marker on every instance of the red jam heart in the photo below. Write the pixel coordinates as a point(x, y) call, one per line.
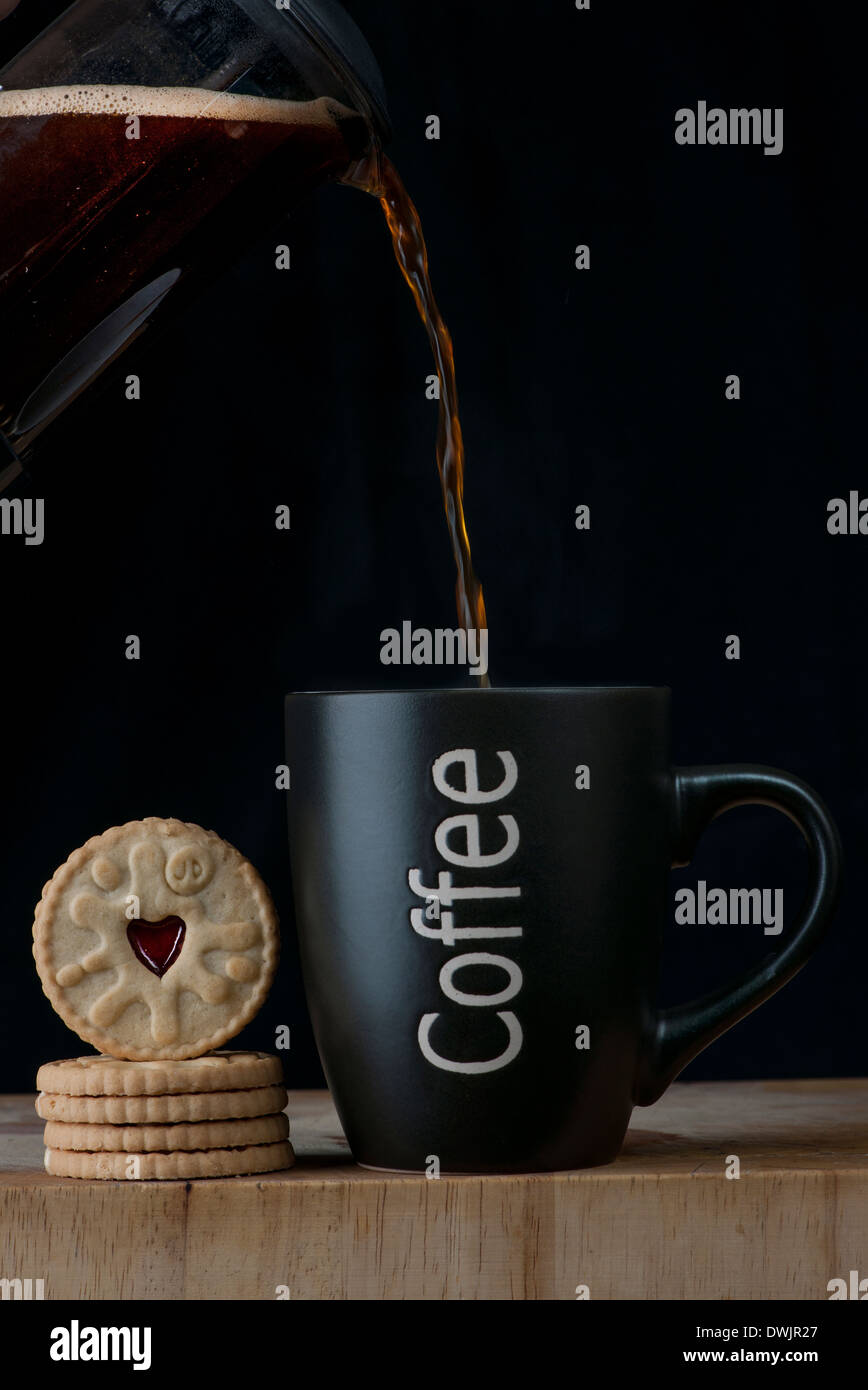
point(157, 944)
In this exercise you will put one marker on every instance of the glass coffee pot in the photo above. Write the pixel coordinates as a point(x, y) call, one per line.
point(141, 142)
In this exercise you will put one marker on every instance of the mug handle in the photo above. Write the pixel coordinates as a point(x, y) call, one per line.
point(701, 794)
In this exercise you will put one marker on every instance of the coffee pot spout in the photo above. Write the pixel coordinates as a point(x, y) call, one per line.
point(348, 48)
point(342, 45)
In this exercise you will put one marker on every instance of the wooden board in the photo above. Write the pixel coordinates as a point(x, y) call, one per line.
point(663, 1221)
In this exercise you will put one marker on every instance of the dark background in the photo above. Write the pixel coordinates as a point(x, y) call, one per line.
point(603, 387)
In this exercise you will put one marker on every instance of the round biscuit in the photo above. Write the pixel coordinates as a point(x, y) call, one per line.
point(156, 939)
point(109, 1076)
point(143, 1167)
point(161, 1110)
point(206, 1134)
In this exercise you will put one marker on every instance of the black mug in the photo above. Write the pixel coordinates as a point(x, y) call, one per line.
point(481, 886)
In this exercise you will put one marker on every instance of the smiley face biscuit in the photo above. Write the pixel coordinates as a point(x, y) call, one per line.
point(156, 940)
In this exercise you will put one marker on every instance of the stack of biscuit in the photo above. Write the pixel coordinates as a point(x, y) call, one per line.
point(157, 942)
point(209, 1117)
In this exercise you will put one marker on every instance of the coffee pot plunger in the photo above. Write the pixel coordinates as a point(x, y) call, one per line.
point(140, 142)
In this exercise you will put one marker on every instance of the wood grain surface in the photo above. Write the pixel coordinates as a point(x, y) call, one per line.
point(662, 1221)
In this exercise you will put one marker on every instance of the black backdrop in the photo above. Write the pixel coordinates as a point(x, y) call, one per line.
point(603, 387)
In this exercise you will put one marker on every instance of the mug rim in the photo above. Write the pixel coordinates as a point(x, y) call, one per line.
point(490, 690)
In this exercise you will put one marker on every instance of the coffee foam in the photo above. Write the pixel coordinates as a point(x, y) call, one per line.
point(184, 103)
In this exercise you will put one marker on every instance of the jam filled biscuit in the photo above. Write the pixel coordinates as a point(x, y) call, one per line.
point(156, 940)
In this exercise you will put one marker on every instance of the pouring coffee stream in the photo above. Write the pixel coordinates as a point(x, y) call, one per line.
point(377, 175)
